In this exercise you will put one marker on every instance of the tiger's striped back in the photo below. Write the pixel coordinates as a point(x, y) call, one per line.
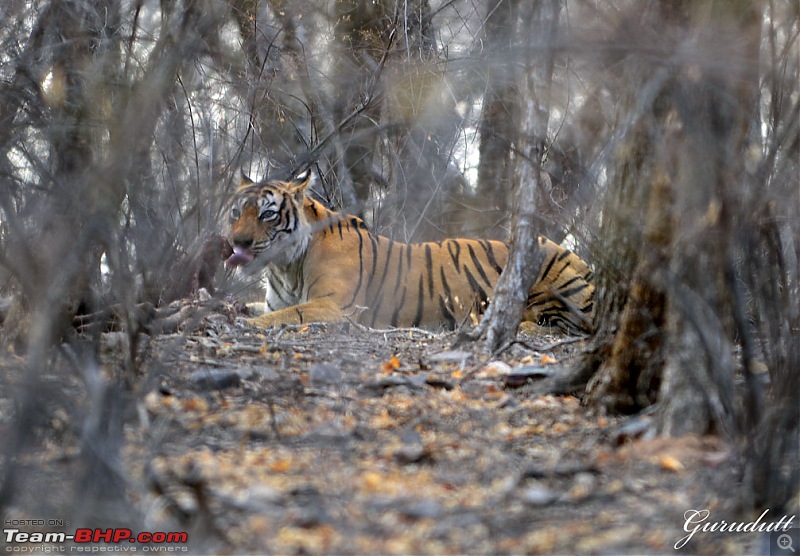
point(319, 265)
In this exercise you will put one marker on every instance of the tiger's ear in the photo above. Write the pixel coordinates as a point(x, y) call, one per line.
point(244, 181)
point(299, 183)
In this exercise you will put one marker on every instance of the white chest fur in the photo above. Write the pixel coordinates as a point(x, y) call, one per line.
point(284, 286)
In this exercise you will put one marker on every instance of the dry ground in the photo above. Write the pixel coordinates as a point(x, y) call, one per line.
point(338, 439)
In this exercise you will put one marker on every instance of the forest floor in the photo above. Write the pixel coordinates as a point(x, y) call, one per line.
point(339, 439)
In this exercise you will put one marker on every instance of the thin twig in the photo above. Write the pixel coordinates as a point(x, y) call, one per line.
point(409, 330)
point(546, 347)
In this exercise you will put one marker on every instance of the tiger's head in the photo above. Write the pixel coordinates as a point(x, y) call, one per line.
point(267, 222)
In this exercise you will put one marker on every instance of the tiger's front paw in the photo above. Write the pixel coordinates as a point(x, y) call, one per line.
point(261, 321)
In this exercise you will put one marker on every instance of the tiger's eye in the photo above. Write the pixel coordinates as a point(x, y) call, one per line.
point(235, 213)
point(268, 214)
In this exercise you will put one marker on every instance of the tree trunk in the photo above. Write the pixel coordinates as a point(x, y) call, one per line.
point(498, 123)
point(629, 372)
point(676, 329)
point(501, 320)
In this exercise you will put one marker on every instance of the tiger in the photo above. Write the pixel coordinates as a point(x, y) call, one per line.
point(318, 265)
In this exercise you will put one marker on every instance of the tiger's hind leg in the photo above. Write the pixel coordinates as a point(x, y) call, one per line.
point(563, 295)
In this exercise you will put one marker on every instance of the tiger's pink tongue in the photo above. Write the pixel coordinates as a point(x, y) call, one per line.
point(240, 257)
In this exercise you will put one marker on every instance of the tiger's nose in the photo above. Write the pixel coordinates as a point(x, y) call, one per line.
point(243, 242)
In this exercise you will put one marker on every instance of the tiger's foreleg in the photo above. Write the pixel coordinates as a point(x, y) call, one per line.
point(323, 309)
